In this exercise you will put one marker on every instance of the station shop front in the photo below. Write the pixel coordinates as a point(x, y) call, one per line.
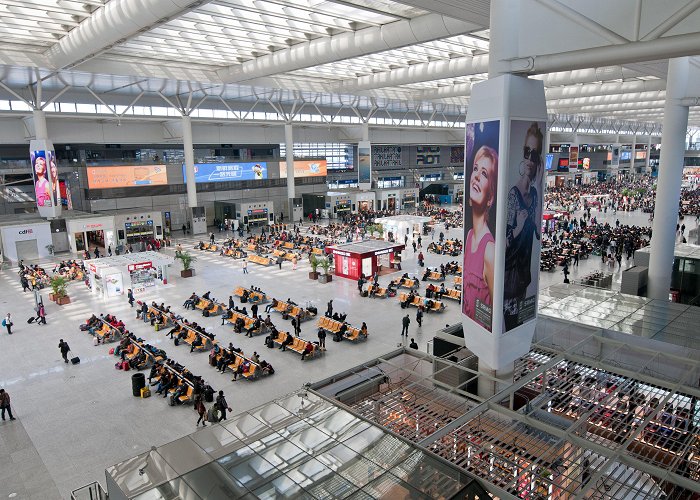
point(90, 232)
point(28, 241)
point(112, 276)
point(352, 260)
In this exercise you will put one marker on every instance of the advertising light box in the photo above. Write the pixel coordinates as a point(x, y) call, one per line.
point(223, 172)
point(126, 176)
point(305, 168)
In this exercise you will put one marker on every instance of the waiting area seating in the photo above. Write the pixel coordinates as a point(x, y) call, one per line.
point(297, 345)
point(239, 364)
point(252, 296)
point(433, 275)
point(453, 293)
point(293, 311)
point(376, 291)
point(233, 253)
point(403, 282)
point(259, 259)
point(212, 307)
point(332, 326)
point(458, 281)
point(418, 301)
point(105, 328)
point(242, 322)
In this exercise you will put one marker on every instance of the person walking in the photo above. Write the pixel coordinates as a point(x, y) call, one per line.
point(130, 297)
point(322, 339)
point(329, 309)
point(41, 314)
point(25, 283)
point(245, 266)
point(223, 405)
point(201, 410)
point(65, 349)
point(419, 317)
point(405, 322)
point(7, 323)
point(211, 238)
point(279, 261)
point(294, 263)
point(5, 404)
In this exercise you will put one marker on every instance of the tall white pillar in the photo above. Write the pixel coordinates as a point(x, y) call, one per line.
point(365, 131)
point(634, 147)
point(668, 188)
point(289, 147)
point(647, 158)
point(188, 148)
point(503, 38)
point(40, 131)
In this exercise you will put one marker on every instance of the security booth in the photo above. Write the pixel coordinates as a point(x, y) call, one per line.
point(338, 204)
point(403, 225)
point(89, 231)
point(256, 214)
point(366, 257)
point(24, 238)
point(363, 201)
point(112, 276)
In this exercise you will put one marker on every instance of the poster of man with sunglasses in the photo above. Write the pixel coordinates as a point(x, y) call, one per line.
point(523, 223)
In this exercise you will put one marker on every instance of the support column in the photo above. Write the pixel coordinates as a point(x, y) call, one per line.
point(289, 146)
point(647, 169)
point(40, 131)
point(188, 148)
point(487, 388)
point(634, 147)
point(503, 39)
point(365, 131)
point(668, 188)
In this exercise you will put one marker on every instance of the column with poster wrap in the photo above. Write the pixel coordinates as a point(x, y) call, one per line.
point(364, 165)
point(45, 174)
point(504, 179)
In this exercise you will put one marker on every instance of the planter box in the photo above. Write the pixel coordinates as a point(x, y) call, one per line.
point(63, 300)
point(52, 297)
point(325, 278)
point(313, 276)
point(187, 273)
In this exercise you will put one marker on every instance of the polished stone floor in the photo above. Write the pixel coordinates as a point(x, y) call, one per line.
point(73, 421)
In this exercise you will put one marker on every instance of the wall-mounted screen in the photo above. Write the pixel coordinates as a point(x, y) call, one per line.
point(305, 168)
point(126, 176)
point(222, 172)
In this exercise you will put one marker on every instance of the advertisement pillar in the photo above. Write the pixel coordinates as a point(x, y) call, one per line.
point(45, 174)
point(364, 164)
point(504, 180)
point(188, 149)
point(289, 147)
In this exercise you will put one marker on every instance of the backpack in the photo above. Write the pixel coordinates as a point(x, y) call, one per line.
point(4, 322)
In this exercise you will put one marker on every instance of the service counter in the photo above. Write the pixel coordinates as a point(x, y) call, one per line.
point(112, 276)
point(365, 258)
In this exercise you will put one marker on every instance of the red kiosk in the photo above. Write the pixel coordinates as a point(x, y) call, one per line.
point(366, 257)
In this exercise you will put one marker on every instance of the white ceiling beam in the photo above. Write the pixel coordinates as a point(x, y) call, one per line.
point(602, 99)
point(111, 25)
point(416, 73)
point(348, 45)
point(604, 89)
point(662, 48)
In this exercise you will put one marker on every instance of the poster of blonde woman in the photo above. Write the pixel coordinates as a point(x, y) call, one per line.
point(480, 178)
point(43, 186)
point(523, 223)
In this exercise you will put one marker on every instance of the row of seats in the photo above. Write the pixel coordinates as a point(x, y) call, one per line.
point(253, 296)
point(259, 259)
point(184, 387)
point(286, 255)
point(107, 333)
point(435, 305)
point(297, 345)
point(458, 281)
point(214, 308)
point(233, 253)
point(162, 319)
point(292, 310)
point(190, 335)
point(376, 291)
point(246, 367)
point(410, 283)
point(433, 276)
point(333, 326)
point(453, 293)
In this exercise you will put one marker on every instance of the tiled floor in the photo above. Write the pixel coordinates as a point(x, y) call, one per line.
point(73, 421)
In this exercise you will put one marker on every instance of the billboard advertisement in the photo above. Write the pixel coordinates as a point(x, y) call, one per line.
point(573, 156)
point(364, 162)
point(305, 168)
point(548, 162)
point(45, 174)
point(126, 176)
point(523, 223)
point(222, 172)
point(480, 177)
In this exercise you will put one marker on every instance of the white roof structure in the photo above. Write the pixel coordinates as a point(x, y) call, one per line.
point(384, 62)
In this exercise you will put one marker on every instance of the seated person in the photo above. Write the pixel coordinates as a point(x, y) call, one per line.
point(363, 329)
point(242, 368)
point(180, 391)
point(239, 324)
point(287, 341)
point(191, 301)
point(197, 342)
point(266, 368)
point(271, 305)
point(206, 295)
point(308, 349)
point(226, 315)
point(253, 327)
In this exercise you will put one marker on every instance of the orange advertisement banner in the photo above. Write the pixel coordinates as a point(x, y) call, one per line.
point(305, 168)
point(126, 176)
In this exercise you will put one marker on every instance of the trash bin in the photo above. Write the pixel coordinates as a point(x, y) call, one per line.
point(138, 381)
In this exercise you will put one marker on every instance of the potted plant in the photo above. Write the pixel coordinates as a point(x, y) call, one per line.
point(58, 288)
point(187, 259)
point(313, 260)
point(325, 277)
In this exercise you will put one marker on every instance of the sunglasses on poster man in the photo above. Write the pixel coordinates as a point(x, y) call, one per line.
point(531, 154)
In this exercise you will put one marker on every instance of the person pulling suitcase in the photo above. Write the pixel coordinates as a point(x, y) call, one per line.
point(65, 349)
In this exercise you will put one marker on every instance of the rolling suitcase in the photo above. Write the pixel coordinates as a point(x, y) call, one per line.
point(31, 320)
point(75, 360)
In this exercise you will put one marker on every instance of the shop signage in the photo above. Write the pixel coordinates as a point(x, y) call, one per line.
point(140, 265)
point(93, 268)
point(25, 231)
point(92, 226)
point(341, 253)
point(382, 252)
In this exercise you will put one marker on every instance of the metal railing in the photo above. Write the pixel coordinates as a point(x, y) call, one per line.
point(92, 491)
